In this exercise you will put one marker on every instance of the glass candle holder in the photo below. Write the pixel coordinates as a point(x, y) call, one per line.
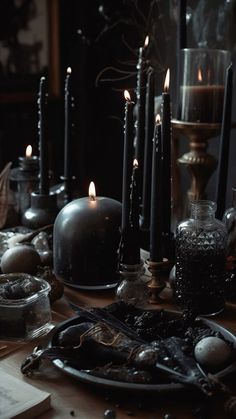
point(202, 79)
point(25, 180)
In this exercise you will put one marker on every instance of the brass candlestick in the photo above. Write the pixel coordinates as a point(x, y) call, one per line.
point(199, 163)
point(157, 283)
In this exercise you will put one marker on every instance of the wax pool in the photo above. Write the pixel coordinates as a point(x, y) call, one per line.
point(201, 103)
point(86, 240)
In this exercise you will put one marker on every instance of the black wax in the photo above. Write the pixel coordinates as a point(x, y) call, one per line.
point(201, 103)
point(166, 147)
point(156, 198)
point(140, 121)
point(86, 239)
point(129, 248)
point(182, 28)
point(43, 148)
point(147, 168)
point(222, 172)
point(127, 162)
point(68, 149)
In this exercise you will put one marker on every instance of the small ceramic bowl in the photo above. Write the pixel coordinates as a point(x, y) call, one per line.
point(24, 306)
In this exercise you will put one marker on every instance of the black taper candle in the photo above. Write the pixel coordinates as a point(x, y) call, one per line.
point(156, 196)
point(134, 200)
point(181, 44)
point(127, 159)
point(147, 167)
point(129, 249)
point(166, 147)
point(140, 113)
point(182, 28)
point(222, 172)
point(68, 135)
point(43, 149)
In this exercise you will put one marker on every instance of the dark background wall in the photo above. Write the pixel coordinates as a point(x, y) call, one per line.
point(92, 36)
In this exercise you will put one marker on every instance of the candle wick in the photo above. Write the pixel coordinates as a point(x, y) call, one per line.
point(92, 198)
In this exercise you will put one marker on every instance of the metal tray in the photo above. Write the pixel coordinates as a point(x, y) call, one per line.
point(120, 385)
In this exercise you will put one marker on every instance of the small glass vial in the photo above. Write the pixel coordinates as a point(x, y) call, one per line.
point(201, 260)
point(132, 289)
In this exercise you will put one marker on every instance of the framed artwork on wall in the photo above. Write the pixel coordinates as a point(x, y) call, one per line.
point(29, 48)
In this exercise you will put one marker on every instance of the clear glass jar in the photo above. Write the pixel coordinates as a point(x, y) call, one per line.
point(201, 260)
point(132, 289)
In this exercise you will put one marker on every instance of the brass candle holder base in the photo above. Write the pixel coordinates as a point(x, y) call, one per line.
point(157, 283)
point(200, 164)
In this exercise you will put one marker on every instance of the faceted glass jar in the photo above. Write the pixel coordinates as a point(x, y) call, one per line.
point(200, 260)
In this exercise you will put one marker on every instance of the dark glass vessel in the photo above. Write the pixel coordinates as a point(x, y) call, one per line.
point(201, 260)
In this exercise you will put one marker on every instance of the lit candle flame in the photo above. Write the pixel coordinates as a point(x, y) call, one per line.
point(127, 95)
point(135, 163)
point(146, 42)
point(158, 119)
point(92, 191)
point(199, 75)
point(167, 81)
point(69, 71)
point(28, 151)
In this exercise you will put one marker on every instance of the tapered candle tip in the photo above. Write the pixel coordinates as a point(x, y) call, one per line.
point(158, 119)
point(68, 71)
point(135, 163)
point(146, 42)
point(167, 81)
point(42, 79)
point(127, 95)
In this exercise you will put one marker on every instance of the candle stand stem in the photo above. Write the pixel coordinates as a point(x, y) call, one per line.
point(43, 211)
point(199, 163)
point(157, 283)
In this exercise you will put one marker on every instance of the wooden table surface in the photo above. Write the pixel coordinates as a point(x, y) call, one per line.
point(72, 398)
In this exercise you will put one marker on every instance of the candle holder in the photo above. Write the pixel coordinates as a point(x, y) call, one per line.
point(199, 163)
point(202, 80)
point(157, 283)
point(42, 212)
point(26, 179)
point(60, 189)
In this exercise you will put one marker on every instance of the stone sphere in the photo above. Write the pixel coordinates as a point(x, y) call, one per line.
point(213, 353)
point(21, 258)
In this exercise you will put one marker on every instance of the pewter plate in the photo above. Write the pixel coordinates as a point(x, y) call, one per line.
point(91, 287)
point(133, 387)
